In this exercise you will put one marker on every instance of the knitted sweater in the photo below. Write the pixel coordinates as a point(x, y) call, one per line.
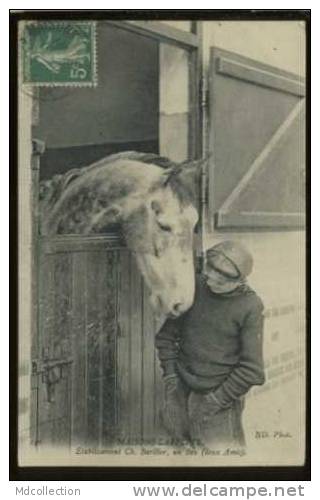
point(217, 344)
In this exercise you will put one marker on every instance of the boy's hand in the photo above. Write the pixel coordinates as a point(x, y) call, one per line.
point(211, 398)
point(202, 407)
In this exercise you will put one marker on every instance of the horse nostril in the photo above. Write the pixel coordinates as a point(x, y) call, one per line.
point(177, 308)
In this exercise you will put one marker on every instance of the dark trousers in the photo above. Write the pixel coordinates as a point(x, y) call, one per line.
point(190, 416)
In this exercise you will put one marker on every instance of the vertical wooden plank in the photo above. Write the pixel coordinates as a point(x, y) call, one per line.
point(148, 374)
point(46, 333)
point(60, 349)
point(102, 298)
point(34, 411)
point(158, 386)
point(135, 396)
point(123, 368)
point(79, 343)
point(93, 326)
point(108, 346)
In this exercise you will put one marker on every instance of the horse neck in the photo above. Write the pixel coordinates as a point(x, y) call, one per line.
point(74, 202)
point(61, 202)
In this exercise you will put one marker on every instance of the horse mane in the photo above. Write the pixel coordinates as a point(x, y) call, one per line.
point(51, 190)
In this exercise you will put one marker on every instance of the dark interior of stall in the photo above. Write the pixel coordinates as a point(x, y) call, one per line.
point(83, 124)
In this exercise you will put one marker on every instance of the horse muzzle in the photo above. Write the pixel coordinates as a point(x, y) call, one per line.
point(178, 308)
point(173, 309)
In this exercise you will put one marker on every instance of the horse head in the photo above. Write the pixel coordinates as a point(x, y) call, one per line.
point(160, 233)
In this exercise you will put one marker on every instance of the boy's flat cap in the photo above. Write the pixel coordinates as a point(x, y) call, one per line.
point(235, 252)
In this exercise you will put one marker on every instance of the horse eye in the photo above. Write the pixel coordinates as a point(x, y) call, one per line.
point(165, 227)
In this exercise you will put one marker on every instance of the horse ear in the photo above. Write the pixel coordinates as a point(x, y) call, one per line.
point(190, 172)
point(185, 178)
point(195, 165)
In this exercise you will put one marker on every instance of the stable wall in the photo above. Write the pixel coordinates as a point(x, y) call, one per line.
point(279, 43)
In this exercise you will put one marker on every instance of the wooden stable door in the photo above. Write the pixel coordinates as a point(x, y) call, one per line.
point(95, 377)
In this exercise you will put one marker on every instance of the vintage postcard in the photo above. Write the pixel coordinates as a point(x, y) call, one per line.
point(162, 298)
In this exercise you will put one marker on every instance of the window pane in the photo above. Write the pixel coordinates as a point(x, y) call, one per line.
point(174, 102)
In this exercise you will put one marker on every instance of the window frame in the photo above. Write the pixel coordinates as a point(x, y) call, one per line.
point(192, 42)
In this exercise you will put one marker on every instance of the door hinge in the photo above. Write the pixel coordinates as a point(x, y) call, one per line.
point(38, 148)
point(204, 92)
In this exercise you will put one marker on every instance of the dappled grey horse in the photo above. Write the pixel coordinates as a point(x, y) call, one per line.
point(154, 206)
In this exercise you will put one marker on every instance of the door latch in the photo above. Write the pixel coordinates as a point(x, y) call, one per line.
point(51, 371)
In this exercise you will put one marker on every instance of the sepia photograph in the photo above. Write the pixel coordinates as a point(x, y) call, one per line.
point(161, 181)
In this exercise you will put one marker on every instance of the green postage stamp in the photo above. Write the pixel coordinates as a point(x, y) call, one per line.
point(59, 54)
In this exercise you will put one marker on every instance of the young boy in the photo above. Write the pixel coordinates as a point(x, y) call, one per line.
point(212, 354)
